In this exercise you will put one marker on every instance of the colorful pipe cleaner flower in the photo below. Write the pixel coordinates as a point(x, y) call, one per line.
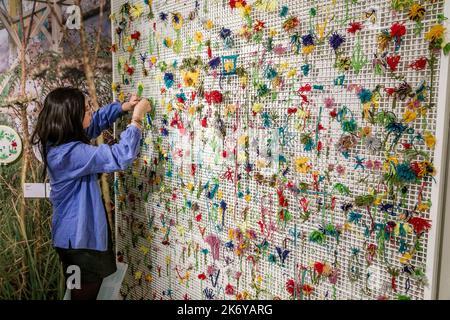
point(419, 64)
point(365, 95)
point(336, 40)
point(392, 62)
point(291, 24)
point(416, 12)
point(435, 33)
point(225, 33)
point(355, 27)
point(398, 30)
point(168, 80)
point(214, 63)
point(213, 97)
point(419, 224)
point(308, 40)
point(405, 173)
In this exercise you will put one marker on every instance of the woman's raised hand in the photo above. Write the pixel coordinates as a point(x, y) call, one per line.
point(142, 107)
point(131, 103)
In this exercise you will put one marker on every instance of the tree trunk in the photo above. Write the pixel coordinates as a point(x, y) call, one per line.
point(90, 79)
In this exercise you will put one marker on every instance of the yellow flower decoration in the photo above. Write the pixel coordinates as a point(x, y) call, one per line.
point(228, 65)
point(436, 32)
point(191, 110)
point(209, 24)
point(292, 73)
point(144, 250)
point(409, 116)
point(243, 140)
point(121, 96)
point(424, 206)
point(248, 197)
point(148, 278)
point(168, 42)
point(430, 139)
point(273, 32)
point(190, 78)
point(416, 12)
point(136, 10)
point(177, 21)
point(405, 258)
point(257, 107)
point(246, 11)
point(138, 275)
point(302, 165)
point(198, 36)
point(230, 109)
point(308, 49)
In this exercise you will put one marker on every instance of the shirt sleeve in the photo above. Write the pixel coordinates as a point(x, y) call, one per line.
point(103, 119)
point(85, 159)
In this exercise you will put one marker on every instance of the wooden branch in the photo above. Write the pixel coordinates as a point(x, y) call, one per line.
point(39, 23)
point(99, 32)
point(5, 18)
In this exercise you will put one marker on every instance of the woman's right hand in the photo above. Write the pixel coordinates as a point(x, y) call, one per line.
point(141, 109)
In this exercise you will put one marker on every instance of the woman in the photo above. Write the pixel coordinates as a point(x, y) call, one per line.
point(80, 230)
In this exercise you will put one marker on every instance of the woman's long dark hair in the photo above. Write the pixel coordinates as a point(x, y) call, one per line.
point(60, 121)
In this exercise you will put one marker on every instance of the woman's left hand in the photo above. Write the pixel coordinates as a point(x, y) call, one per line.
point(129, 105)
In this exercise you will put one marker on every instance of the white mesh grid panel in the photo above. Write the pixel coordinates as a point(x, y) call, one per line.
point(159, 200)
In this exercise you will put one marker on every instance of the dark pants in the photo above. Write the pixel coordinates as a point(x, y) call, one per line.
point(94, 266)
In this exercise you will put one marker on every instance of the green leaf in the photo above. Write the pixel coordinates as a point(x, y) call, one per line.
point(447, 48)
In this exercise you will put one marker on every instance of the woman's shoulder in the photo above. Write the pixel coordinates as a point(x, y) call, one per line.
point(63, 150)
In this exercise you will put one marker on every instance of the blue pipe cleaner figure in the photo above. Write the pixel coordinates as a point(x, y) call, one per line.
point(405, 173)
point(336, 40)
point(308, 40)
point(365, 95)
point(168, 80)
point(214, 63)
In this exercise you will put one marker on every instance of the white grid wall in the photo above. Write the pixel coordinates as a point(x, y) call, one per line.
point(170, 203)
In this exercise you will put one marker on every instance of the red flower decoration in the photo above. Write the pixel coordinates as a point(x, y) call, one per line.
point(213, 96)
point(204, 122)
point(307, 289)
point(259, 25)
point(198, 217)
point(333, 113)
point(407, 146)
point(306, 88)
point(390, 91)
point(393, 62)
point(290, 287)
point(130, 70)
point(355, 27)
point(233, 3)
point(202, 276)
point(398, 30)
point(229, 290)
point(281, 199)
point(136, 35)
point(318, 267)
point(419, 224)
point(291, 111)
point(419, 64)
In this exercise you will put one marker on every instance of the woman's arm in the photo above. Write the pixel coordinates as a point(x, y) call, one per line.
point(103, 119)
point(84, 159)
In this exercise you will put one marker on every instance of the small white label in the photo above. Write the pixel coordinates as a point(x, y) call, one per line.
point(36, 190)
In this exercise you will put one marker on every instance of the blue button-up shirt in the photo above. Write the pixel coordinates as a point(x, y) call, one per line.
point(79, 219)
